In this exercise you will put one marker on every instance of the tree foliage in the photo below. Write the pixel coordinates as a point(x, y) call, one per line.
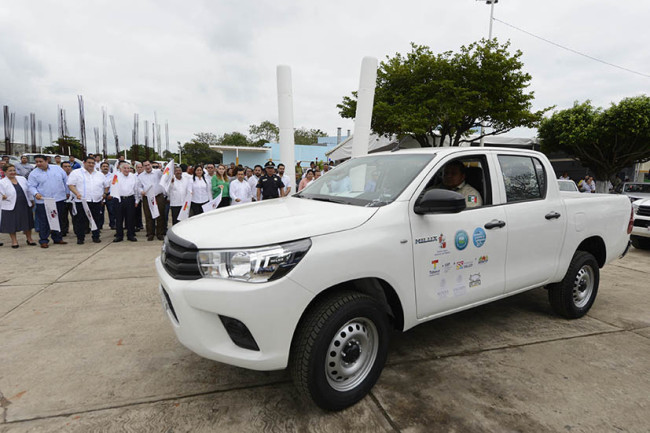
point(266, 131)
point(307, 136)
point(423, 94)
point(198, 150)
point(65, 145)
point(234, 139)
point(605, 141)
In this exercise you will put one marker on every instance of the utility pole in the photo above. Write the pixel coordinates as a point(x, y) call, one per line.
point(491, 3)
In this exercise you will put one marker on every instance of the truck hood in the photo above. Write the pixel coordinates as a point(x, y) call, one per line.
point(269, 222)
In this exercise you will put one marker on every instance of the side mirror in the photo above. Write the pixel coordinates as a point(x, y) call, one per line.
point(439, 201)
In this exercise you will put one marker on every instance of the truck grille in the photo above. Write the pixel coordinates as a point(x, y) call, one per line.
point(641, 223)
point(179, 258)
point(643, 210)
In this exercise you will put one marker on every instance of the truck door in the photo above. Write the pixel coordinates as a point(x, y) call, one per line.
point(459, 258)
point(536, 221)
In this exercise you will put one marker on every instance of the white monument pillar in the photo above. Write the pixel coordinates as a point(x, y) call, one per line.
point(365, 100)
point(285, 120)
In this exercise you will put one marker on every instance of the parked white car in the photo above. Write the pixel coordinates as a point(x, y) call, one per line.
point(636, 190)
point(640, 236)
point(567, 185)
point(318, 281)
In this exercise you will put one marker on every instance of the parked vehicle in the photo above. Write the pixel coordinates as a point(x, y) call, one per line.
point(317, 281)
point(31, 156)
point(567, 185)
point(640, 236)
point(636, 190)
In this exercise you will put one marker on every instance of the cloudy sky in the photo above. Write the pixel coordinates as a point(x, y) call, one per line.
point(210, 66)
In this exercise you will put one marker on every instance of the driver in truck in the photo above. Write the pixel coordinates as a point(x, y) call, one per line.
point(453, 178)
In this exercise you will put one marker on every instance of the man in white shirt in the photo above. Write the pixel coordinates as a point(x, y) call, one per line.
point(255, 178)
point(240, 190)
point(149, 181)
point(90, 185)
point(125, 191)
point(178, 192)
point(110, 207)
point(285, 180)
point(210, 172)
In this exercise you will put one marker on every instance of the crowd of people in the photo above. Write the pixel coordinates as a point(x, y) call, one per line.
point(132, 196)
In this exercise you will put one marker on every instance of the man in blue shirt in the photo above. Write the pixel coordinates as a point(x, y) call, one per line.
point(49, 181)
point(74, 163)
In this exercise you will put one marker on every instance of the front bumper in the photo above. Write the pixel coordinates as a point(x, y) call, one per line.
point(270, 311)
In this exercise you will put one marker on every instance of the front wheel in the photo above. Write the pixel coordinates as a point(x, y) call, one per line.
point(575, 294)
point(340, 349)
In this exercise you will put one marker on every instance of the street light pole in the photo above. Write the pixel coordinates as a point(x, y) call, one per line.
point(491, 3)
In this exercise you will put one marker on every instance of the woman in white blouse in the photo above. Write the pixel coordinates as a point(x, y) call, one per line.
point(15, 206)
point(200, 190)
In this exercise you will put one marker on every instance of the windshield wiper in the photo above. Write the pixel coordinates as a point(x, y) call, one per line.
point(331, 200)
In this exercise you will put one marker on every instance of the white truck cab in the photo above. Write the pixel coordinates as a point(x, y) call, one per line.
point(316, 281)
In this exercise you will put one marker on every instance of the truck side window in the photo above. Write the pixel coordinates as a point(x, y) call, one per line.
point(475, 180)
point(524, 178)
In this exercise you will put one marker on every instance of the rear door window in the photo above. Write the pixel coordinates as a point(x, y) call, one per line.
point(524, 178)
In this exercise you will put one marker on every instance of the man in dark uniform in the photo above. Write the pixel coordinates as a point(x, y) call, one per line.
point(270, 185)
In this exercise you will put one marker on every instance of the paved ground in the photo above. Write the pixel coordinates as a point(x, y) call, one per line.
point(85, 346)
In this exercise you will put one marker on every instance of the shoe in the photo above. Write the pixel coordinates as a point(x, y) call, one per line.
point(61, 242)
point(118, 239)
point(15, 246)
point(97, 240)
point(1, 244)
point(45, 246)
point(133, 239)
point(79, 242)
point(149, 238)
point(161, 238)
point(31, 244)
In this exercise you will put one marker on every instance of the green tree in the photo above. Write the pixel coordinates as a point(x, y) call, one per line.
point(265, 131)
point(605, 141)
point(140, 153)
point(423, 94)
point(307, 136)
point(66, 146)
point(234, 139)
point(198, 150)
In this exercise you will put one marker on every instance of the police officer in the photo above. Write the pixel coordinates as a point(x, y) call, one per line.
point(270, 185)
point(453, 178)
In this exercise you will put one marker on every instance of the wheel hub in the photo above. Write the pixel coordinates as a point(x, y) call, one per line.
point(351, 354)
point(583, 286)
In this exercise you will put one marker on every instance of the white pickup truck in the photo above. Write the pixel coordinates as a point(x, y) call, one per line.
point(318, 281)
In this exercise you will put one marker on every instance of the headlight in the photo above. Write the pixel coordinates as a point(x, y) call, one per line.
point(255, 265)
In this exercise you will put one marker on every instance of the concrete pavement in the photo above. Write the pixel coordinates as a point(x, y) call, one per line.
point(85, 346)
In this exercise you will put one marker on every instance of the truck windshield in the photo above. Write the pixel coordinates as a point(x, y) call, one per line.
point(373, 180)
point(637, 187)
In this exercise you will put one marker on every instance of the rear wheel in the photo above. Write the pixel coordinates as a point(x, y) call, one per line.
point(340, 349)
point(575, 294)
point(640, 242)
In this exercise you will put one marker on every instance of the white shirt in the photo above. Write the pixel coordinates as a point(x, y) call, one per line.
point(124, 186)
point(89, 185)
point(177, 191)
point(287, 183)
point(240, 190)
point(201, 190)
point(252, 182)
point(7, 189)
point(150, 182)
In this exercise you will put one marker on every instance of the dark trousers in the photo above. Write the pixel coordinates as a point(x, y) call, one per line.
point(196, 208)
point(175, 211)
point(138, 217)
point(225, 201)
point(125, 217)
point(44, 228)
point(65, 221)
point(166, 215)
point(155, 227)
point(110, 210)
point(80, 222)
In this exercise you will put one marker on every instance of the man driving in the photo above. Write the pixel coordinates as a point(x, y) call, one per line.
point(453, 178)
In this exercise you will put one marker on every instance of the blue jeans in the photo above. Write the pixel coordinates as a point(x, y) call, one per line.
point(44, 226)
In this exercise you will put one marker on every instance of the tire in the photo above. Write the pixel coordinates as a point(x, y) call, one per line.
point(343, 325)
point(575, 294)
point(640, 242)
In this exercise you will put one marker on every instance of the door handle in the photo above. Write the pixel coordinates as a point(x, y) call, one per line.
point(552, 215)
point(495, 224)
